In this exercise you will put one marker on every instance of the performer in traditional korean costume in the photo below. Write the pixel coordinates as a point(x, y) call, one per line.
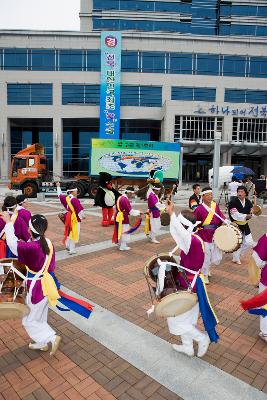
point(106, 197)
point(192, 258)
point(22, 208)
point(152, 223)
point(240, 213)
point(21, 229)
point(74, 215)
point(39, 257)
point(258, 304)
point(211, 218)
point(122, 229)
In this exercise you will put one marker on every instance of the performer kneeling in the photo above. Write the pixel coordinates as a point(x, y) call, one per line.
point(192, 257)
point(39, 256)
point(121, 233)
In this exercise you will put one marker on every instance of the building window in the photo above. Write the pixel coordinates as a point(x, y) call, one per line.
point(153, 62)
point(252, 130)
point(234, 66)
point(129, 61)
point(80, 94)
point(193, 94)
point(258, 67)
point(71, 60)
point(191, 128)
point(141, 96)
point(29, 94)
point(180, 63)
point(15, 59)
point(42, 60)
point(93, 60)
point(207, 64)
point(245, 96)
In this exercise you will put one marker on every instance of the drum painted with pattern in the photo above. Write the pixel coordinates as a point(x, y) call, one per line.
point(175, 304)
point(12, 290)
point(151, 268)
point(228, 238)
point(133, 220)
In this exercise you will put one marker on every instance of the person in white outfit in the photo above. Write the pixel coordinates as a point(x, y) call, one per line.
point(191, 257)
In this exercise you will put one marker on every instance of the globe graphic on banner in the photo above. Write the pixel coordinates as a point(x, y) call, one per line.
point(134, 163)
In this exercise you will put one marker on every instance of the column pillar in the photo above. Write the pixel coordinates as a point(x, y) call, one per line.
point(5, 147)
point(57, 147)
point(168, 122)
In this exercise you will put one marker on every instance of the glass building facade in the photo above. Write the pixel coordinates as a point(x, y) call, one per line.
point(197, 17)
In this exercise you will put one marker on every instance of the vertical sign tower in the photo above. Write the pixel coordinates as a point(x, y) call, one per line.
point(110, 85)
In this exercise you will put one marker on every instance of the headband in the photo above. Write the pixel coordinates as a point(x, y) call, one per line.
point(32, 228)
point(10, 208)
point(187, 223)
point(206, 192)
point(129, 191)
point(72, 190)
point(156, 188)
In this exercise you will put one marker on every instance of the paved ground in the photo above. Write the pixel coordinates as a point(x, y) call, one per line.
point(84, 368)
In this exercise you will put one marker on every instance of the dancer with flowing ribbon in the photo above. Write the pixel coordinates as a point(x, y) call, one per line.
point(43, 289)
point(192, 255)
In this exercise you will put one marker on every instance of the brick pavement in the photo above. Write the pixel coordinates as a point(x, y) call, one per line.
point(81, 369)
point(115, 281)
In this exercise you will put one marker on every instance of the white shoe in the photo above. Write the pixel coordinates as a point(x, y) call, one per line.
point(124, 248)
point(263, 336)
point(203, 346)
point(55, 345)
point(72, 252)
point(181, 348)
point(237, 262)
point(38, 346)
point(154, 241)
point(206, 279)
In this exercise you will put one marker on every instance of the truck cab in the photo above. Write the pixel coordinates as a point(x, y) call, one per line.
point(28, 169)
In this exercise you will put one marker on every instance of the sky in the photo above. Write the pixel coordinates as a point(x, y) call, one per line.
point(40, 14)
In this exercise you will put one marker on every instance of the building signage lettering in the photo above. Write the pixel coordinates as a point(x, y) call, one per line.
point(110, 85)
point(251, 111)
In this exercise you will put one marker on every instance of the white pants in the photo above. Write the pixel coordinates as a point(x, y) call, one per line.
point(185, 326)
point(70, 244)
point(247, 243)
point(125, 237)
point(263, 320)
point(35, 323)
point(155, 225)
point(213, 255)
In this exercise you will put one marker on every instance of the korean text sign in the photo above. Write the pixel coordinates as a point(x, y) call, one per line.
point(110, 85)
point(134, 158)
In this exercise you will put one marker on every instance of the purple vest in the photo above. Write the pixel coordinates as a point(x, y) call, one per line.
point(151, 202)
point(75, 202)
point(207, 233)
point(261, 250)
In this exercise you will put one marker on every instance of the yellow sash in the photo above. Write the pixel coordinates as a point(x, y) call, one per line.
point(49, 287)
point(147, 224)
point(74, 234)
point(210, 214)
point(241, 222)
point(201, 241)
point(119, 218)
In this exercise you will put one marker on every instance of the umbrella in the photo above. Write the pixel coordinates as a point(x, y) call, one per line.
point(240, 170)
